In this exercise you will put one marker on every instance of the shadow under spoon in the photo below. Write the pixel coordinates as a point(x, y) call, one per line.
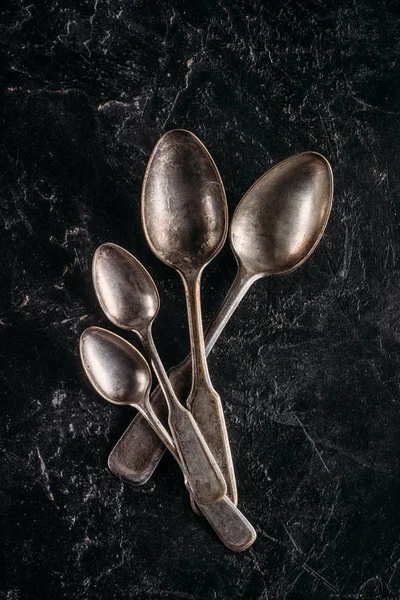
point(275, 228)
point(120, 374)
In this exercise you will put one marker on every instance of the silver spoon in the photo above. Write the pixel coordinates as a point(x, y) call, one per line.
point(185, 221)
point(121, 375)
point(271, 207)
point(130, 299)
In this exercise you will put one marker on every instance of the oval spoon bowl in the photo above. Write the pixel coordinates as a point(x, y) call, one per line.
point(184, 209)
point(113, 366)
point(124, 288)
point(282, 217)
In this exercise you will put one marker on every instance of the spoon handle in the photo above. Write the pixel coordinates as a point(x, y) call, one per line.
point(137, 453)
point(239, 288)
point(198, 464)
point(230, 525)
point(203, 401)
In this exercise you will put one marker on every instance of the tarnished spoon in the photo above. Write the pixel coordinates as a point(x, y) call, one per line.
point(120, 374)
point(275, 228)
point(185, 221)
point(129, 297)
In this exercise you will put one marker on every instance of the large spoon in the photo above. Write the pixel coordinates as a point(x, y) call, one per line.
point(185, 221)
point(275, 228)
point(120, 374)
point(130, 299)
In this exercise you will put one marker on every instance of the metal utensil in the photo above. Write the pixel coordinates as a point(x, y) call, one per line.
point(279, 201)
point(130, 299)
point(185, 221)
point(121, 375)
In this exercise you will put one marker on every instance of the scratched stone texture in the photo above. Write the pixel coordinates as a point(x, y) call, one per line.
point(308, 367)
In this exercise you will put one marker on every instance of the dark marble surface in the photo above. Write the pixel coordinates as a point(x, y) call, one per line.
point(308, 368)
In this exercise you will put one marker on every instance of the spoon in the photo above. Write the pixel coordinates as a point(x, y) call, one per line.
point(120, 374)
point(129, 298)
point(271, 215)
point(185, 221)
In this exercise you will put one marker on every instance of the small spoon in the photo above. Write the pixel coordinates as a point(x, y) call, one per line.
point(129, 298)
point(271, 215)
point(185, 221)
point(120, 374)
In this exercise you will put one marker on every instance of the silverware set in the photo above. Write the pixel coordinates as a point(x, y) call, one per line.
point(275, 228)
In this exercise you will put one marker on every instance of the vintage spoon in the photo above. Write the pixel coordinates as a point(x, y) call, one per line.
point(130, 299)
point(271, 215)
point(185, 221)
point(120, 374)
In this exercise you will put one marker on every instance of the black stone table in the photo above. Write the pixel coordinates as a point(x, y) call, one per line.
point(308, 368)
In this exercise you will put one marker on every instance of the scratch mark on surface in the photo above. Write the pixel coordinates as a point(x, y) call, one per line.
point(291, 538)
point(112, 103)
point(180, 92)
point(46, 478)
point(320, 578)
point(312, 443)
point(347, 251)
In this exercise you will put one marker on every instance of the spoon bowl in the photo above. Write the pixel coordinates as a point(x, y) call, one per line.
point(124, 288)
point(282, 217)
point(184, 211)
point(116, 370)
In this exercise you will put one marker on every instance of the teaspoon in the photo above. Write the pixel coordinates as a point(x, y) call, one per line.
point(121, 375)
point(275, 228)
